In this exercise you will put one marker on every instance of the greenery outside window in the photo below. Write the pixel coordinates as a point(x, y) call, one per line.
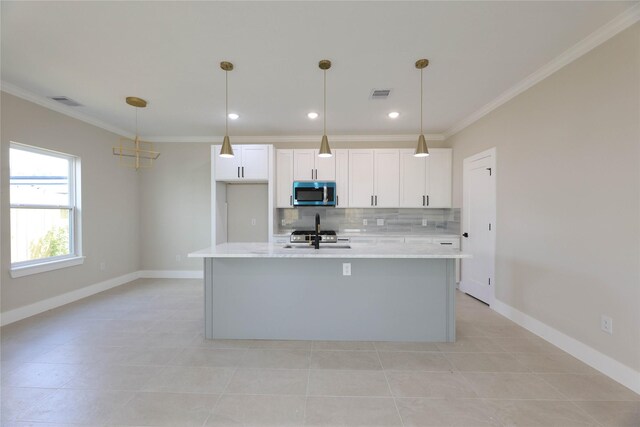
point(45, 210)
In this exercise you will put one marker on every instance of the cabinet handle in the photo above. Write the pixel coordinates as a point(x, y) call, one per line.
point(316, 173)
point(337, 200)
point(446, 243)
point(376, 200)
point(238, 171)
point(243, 171)
point(371, 200)
point(291, 200)
point(423, 202)
point(427, 200)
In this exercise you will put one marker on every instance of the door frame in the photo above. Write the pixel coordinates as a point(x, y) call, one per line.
point(491, 154)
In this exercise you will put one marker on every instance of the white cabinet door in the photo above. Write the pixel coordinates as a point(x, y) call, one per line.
point(342, 177)
point(439, 178)
point(255, 162)
point(284, 178)
point(361, 178)
point(304, 165)
point(227, 169)
point(325, 167)
point(412, 180)
point(387, 178)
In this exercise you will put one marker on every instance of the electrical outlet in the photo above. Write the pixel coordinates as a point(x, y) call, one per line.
point(606, 324)
point(346, 269)
point(380, 221)
point(178, 258)
point(103, 265)
point(364, 222)
point(282, 222)
point(424, 222)
point(253, 221)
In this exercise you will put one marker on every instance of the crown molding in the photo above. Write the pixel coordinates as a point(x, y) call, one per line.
point(604, 33)
point(62, 109)
point(293, 138)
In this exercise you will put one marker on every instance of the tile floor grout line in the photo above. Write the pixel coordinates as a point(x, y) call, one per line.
point(306, 392)
point(395, 402)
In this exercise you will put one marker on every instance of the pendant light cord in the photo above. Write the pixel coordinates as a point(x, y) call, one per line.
point(324, 113)
point(421, 93)
point(226, 103)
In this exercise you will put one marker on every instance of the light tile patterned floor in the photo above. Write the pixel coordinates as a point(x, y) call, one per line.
point(135, 356)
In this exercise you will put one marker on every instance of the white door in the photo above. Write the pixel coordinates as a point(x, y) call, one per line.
point(255, 162)
point(304, 165)
point(478, 225)
point(360, 178)
point(439, 178)
point(284, 178)
point(227, 169)
point(387, 178)
point(412, 180)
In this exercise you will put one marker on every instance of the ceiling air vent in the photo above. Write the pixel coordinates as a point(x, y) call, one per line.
point(66, 101)
point(380, 93)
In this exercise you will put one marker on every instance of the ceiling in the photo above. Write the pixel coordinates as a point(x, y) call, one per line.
point(97, 53)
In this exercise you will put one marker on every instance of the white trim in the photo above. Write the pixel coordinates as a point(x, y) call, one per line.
point(60, 300)
point(27, 270)
point(294, 138)
point(595, 39)
point(61, 108)
point(610, 367)
point(171, 274)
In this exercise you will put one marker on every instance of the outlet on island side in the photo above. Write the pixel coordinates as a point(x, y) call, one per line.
point(606, 324)
point(346, 269)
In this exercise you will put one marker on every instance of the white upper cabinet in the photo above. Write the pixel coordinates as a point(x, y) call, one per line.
point(307, 166)
point(250, 162)
point(425, 181)
point(439, 177)
point(284, 178)
point(342, 177)
point(387, 178)
point(373, 178)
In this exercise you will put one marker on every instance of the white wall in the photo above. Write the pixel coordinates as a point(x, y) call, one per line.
point(568, 189)
point(109, 202)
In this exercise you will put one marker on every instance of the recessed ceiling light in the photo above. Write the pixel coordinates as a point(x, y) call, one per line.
point(312, 115)
point(393, 114)
point(233, 116)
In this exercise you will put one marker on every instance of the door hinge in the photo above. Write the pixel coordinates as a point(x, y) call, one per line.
point(489, 169)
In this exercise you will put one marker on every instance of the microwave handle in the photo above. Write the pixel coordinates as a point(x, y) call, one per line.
point(324, 195)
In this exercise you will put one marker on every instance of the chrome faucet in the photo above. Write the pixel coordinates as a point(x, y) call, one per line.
point(317, 239)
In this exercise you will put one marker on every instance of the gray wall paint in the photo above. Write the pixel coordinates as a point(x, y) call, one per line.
point(175, 210)
point(110, 202)
point(568, 187)
point(244, 203)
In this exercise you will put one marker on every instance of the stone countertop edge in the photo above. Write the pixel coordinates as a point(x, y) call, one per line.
point(376, 236)
point(277, 250)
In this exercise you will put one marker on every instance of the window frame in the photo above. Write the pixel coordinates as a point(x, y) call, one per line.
point(75, 257)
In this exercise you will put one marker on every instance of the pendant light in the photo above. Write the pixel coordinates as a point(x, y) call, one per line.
point(325, 151)
point(135, 153)
point(421, 149)
point(226, 150)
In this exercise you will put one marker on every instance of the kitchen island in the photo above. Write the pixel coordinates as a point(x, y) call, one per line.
point(395, 292)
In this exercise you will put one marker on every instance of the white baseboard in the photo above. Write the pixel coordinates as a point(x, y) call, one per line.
point(171, 274)
point(60, 300)
point(592, 357)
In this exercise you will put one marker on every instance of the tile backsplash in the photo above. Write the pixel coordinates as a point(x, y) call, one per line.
point(378, 220)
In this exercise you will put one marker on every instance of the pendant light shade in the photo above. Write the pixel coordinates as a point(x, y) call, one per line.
point(325, 150)
point(226, 150)
point(421, 148)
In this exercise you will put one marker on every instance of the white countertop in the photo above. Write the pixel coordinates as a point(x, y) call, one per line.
point(277, 250)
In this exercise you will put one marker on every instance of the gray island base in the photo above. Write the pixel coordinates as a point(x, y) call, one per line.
point(394, 293)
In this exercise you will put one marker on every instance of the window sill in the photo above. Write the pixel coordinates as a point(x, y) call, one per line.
point(28, 270)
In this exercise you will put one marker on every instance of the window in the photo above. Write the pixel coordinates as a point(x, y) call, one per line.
point(45, 210)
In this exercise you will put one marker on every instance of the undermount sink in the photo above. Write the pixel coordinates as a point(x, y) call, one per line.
point(328, 246)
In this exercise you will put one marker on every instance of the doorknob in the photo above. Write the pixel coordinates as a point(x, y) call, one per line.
point(465, 234)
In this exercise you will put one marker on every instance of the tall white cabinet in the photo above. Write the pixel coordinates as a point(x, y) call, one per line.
point(284, 178)
point(425, 181)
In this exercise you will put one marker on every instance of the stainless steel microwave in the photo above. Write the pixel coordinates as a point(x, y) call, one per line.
point(314, 193)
